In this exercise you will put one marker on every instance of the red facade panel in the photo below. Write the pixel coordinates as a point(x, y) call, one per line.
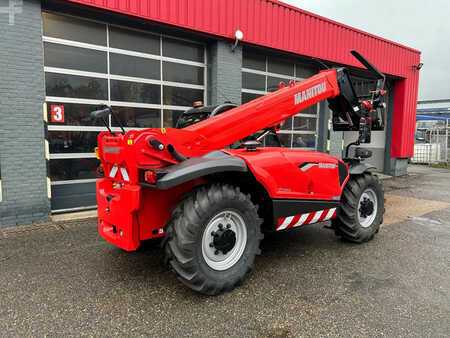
point(403, 129)
point(276, 25)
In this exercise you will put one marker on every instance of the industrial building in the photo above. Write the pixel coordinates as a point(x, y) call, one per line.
point(150, 60)
point(432, 135)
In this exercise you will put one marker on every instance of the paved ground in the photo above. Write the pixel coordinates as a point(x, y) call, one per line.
point(62, 279)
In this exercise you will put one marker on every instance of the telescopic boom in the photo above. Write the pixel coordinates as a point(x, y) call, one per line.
point(267, 111)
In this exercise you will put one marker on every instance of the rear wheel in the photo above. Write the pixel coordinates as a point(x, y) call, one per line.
point(362, 208)
point(212, 238)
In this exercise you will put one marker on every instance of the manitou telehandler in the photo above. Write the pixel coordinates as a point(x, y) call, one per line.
point(213, 202)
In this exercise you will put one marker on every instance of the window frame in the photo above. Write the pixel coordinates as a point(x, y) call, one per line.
point(290, 131)
point(108, 76)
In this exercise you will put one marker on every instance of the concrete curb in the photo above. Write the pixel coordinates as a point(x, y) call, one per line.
point(384, 177)
point(74, 215)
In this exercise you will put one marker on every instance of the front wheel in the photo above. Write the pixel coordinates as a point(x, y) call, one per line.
point(362, 208)
point(212, 238)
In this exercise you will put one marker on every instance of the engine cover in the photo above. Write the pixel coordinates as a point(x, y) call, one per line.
point(296, 174)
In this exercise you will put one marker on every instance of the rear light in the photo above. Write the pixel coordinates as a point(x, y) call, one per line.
point(150, 177)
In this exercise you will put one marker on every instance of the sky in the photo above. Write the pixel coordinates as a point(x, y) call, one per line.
point(423, 25)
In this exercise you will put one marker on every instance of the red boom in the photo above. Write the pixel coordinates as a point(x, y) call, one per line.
point(266, 111)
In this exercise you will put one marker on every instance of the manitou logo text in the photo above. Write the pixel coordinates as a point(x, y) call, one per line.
point(310, 93)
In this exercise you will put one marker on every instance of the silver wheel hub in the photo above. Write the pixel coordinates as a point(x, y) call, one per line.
point(224, 240)
point(367, 208)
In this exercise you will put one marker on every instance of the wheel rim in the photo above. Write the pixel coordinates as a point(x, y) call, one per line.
point(367, 208)
point(224, 240)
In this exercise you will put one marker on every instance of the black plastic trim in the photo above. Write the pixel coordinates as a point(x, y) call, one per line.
point(195, 167)
point(222, 108)
point(343, 172)
point(291, 207)
point(360, 168)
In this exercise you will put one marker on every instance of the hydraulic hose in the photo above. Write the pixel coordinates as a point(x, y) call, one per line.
point(171, 149)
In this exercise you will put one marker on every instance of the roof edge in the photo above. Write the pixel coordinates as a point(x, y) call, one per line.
point(283, 4)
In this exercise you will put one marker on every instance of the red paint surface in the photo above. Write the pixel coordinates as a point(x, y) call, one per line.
point(277, 169)
point(267, 110)
point(404, 123)
point(279, 26)
point(128, 213)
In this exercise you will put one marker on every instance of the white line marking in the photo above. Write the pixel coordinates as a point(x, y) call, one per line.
point(316, 217)
point(301, 220)
point(124, 173)
point(113, 171)
point(329, 214)
point(286, 222)
point(308, 166)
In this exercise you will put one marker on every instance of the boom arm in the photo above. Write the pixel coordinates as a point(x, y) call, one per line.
point(349, 113)
point(268, 110)
point(175, 145)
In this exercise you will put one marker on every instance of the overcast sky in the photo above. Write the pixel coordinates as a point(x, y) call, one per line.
point(423, 25)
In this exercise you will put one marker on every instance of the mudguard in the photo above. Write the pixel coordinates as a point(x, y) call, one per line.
point(195, 167)
point(360, 168)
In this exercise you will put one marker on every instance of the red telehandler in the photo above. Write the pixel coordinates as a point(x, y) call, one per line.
point(212, 203)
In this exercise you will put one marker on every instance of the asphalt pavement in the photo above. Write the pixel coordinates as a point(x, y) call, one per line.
point(62, 279)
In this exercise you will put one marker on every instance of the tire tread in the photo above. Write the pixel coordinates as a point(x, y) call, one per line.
point(346, 224)
point(185, 224)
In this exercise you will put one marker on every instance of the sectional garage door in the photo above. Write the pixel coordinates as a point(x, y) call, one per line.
point(149, 79)
point(262, 74)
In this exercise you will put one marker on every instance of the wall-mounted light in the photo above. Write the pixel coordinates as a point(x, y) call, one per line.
point(238, 35)
point(418, 67)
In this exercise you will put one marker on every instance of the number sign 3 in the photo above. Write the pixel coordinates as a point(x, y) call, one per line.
point(57, 113)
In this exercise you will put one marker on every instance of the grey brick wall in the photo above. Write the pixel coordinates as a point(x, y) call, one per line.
point(322, 129)
point(336, 138)
point(392, 166)
point(225, 73)
point(22, 93)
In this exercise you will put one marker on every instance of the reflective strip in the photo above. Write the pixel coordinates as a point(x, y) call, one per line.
point(44, 110)
point(316, 217)
point(329, 214)
point(301, 220)
point(113, 172)
point(285, 223)
point(47, 149)
point(124, 173)
point(49, 188)
point(308, 218)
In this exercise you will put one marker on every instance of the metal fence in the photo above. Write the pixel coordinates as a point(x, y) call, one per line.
point(433, 145)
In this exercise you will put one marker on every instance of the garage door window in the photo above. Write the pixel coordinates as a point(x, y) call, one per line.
point(149, 79)
point(262, 74)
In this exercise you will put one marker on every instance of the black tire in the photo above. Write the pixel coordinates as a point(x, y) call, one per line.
point(347, 224)
point(183, 242)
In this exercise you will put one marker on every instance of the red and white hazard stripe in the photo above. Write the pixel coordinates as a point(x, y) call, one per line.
point(304, 219)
